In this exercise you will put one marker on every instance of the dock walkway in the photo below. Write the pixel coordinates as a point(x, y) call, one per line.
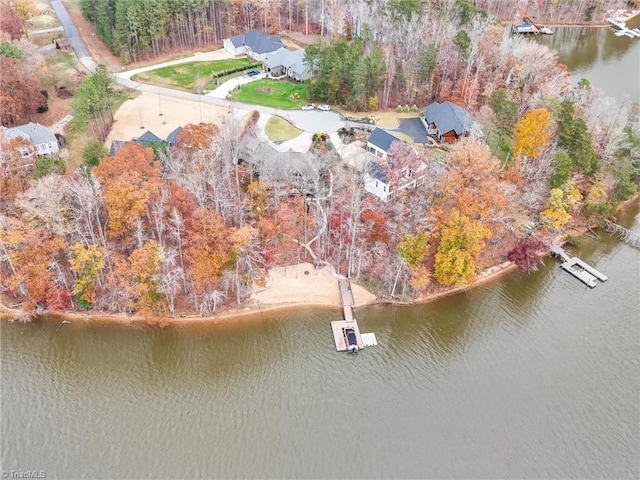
point(338, 326)
point(579, 269)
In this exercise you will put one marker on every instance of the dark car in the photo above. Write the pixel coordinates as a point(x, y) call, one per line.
point(350, 339)
point(253, 73)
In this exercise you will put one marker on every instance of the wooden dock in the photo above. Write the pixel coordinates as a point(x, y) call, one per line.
point(346, 293)
point(338, 326)
point(579, 269)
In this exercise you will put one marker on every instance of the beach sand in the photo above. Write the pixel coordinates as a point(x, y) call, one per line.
point(305, 284)
point(286, 287)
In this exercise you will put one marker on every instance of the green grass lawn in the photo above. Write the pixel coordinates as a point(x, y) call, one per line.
point(186, 75)
point(271, 93)
point(279, 130)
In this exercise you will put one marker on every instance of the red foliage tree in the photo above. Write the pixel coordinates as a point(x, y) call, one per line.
point(20, 95)
point(526, 253)
point(10, 23)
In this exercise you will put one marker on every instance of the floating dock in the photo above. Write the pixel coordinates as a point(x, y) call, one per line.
point(338, 326)
point(338, 336)
point(579, 269)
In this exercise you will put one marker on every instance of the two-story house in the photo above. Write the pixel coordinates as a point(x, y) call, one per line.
point(42, 139)
point(385, 176)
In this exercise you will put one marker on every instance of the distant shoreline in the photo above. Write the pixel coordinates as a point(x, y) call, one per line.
point(625, 18)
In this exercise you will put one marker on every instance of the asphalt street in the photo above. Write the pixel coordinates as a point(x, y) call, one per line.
point(72, 34)
point(308, 121)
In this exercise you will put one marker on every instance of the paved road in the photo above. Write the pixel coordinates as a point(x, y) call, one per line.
point(311, 122)
point(72, 34)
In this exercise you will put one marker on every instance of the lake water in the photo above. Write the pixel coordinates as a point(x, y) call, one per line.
point(610, 63)
point(529, 376)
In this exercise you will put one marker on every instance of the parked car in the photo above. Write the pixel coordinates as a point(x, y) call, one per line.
point(324, 107)
point(253, 73)
point(350, 339)
point(309, 106)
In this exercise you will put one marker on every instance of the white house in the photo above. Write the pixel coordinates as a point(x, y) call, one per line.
point(384, 177)
point(288, 62)
point(42, 139)
point(256, 45)
point(379, 143)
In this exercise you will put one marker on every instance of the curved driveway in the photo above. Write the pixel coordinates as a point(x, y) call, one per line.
point(308, 121)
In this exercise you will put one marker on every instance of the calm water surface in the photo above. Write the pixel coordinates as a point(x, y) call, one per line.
point(529, 376)
point(610, 63)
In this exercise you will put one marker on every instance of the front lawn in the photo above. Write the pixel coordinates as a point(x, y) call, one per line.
point(279, 130)
point(272, 93)
point(187, 75)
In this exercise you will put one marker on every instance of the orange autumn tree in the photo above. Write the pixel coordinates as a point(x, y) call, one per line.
point(130, 180)
point(34, 255)
point(532, 133)
point(207, 248)
point(471, 184)
point(475, 186)
point(194, 138)
point(139, 276)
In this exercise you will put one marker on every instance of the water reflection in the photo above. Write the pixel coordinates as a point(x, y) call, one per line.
point(528, 376)
point(600, 56)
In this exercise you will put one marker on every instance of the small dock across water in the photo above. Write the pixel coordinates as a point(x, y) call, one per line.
point(579, 269)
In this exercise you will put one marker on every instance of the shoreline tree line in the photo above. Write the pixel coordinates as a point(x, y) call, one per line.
point(190, 228)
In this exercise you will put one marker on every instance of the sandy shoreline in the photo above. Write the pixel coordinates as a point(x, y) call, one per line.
point(287, 288)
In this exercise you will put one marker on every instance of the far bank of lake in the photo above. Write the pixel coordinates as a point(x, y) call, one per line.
point(610, 63)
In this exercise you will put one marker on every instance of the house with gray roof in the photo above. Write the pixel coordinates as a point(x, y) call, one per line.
point(253, 44)
point(447, 121)
point(379, 142)
point(42, 139)
point(116, 145)
point(287, 169)
point(172, 138)
point(149, 139)
point(384, 177)
point(288, 62)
